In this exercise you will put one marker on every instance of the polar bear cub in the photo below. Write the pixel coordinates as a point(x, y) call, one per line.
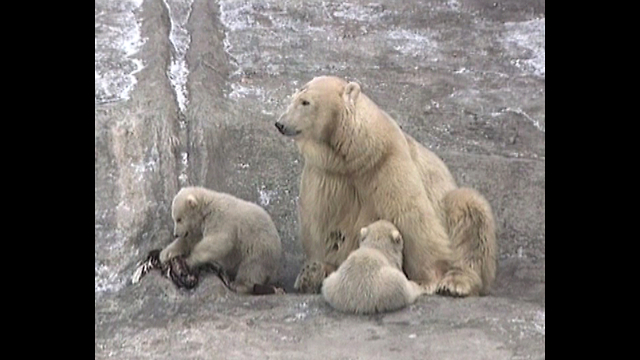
point(211, 226)
point(371, 280)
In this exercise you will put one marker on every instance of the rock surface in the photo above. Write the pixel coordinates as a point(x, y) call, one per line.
point(187, 92)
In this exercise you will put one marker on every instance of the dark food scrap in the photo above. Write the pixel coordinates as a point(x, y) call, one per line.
point(177, 270)
point(182, 276)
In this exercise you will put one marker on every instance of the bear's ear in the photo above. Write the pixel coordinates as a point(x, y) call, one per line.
point(395, 235)
point(363, 232)
point(191, 200)
point(351, 92)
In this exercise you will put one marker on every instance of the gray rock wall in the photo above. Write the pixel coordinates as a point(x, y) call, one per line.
point(187, 93)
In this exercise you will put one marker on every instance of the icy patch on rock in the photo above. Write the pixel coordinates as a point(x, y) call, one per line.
point(107, 270)
point(266, 196)
point(179, 12)
point(412, 43)
point(356, 12)
point(524, 42)
point(238, 91)
point(539, 322)
point(117, 40)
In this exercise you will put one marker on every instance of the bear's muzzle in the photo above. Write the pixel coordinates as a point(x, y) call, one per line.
point(285, 130)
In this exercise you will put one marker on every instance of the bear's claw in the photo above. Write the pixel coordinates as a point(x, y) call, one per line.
point(453, 286)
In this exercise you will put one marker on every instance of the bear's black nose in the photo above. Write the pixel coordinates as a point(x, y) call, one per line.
point(280, 127)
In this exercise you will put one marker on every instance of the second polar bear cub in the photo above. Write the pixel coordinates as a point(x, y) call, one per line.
point(216, 227)
point(371, 280)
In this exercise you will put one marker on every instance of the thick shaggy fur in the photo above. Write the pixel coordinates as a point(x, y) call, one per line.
point(361, 167)
point(217, 227)
point(371, 279)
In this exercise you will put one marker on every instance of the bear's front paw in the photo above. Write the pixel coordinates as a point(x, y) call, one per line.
point(455, 284)
point(167, 254)
point(309, 281)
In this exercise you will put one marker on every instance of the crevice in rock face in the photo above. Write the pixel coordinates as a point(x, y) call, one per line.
point(172, 132)
point(117, 41)
point(178, 12)
point(136, 158)
point(208, 112)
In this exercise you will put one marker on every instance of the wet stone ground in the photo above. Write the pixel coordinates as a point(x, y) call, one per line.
point(186, 93)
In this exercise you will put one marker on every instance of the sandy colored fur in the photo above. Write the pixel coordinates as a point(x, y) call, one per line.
point(371, 280)
point(237, 234)
point(361, 167)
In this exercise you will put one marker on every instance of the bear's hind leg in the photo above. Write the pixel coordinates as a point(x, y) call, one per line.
point(254, 277)
point(471, 229)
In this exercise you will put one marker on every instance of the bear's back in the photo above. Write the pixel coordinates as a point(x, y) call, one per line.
point(436, 177)
point(250, 224)
point(364, 261)
point(365, 283)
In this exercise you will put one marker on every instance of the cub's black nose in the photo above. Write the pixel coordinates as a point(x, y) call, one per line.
point(280, 127)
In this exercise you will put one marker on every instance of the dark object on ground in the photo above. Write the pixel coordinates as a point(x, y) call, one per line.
point(267, 289)
point(214, 267)
point(182, 276)
point(180, 273)
point(177, 270)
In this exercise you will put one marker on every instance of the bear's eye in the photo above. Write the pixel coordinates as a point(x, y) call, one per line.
point(178, 220)
point(305, 103)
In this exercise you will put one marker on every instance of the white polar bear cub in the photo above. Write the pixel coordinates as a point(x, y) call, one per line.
point(371, 280)
point(212, 226)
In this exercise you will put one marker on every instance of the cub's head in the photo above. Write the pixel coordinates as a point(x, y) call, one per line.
point(315, 109)
point(186, 213)
point(384, 236)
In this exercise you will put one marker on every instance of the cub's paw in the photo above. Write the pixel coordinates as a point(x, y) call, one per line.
point(456, 283)
point(167, 254)
point(309, 281)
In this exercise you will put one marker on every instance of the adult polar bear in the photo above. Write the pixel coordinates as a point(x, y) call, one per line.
point(360, 167)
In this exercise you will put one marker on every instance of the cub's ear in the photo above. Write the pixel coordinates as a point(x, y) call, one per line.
point(191, 200)
point(395, 235)
point(351, 92)
point(363, 232)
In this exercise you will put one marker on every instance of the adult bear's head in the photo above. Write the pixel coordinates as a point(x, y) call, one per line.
point(316, 110)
